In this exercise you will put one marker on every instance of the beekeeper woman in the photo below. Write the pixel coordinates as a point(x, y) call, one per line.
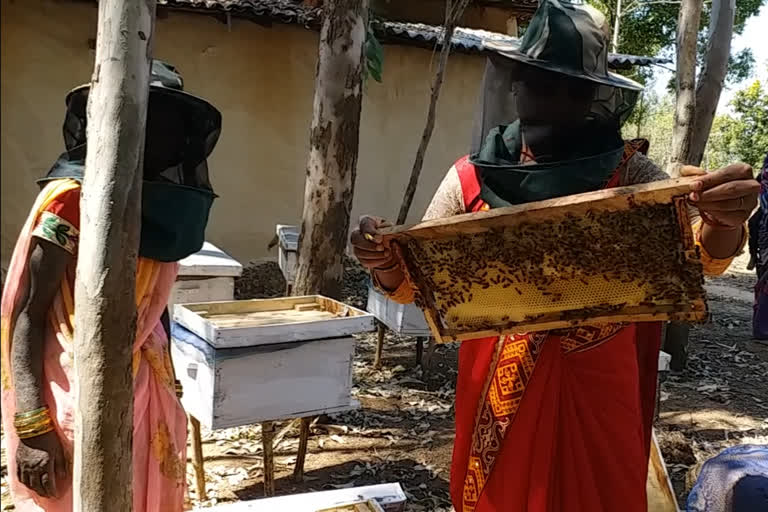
point(558, 421)
point(38, 305)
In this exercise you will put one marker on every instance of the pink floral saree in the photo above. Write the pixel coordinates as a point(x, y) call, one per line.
point(159, 422)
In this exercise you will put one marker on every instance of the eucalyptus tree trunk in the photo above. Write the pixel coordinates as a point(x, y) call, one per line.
point(676, 335)
point(713, 73)
point(685, 107)
point(334, 139)
point(105, 316)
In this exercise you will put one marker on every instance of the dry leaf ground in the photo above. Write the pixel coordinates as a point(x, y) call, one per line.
point(404, 429)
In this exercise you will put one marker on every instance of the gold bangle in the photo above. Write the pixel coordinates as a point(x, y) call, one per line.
point(34, 412)
point(36, 433)
point(27, 419)
point(31, 426)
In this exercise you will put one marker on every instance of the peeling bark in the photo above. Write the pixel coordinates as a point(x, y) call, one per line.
point(105, 316)
point(334, 140)
point(712, 77)
point(685, 107)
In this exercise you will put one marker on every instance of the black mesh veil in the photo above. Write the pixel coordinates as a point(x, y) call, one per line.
point(497, 105)
point(182, 131)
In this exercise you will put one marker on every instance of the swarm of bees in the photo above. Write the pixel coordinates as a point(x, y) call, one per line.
point(570, 268)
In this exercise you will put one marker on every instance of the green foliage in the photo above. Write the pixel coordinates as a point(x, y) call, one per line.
point(741, 66)
point(656, 126)
point(742, 136)
point(374, 56)
point(649, 27)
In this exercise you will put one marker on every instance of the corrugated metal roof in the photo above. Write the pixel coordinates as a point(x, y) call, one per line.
point(290, 12)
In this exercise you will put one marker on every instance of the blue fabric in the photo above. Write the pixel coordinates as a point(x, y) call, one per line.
point(734, 481)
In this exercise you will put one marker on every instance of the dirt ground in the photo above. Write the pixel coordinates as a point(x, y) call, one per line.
point(403, 431)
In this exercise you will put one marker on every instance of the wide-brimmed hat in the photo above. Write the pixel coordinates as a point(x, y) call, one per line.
point(569, 38)
point(166, 88)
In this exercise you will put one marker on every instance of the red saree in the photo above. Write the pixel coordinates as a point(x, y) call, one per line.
point(557, 421)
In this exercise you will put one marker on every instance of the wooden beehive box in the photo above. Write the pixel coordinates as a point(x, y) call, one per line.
point(241, 386)
point(617, 255)
point(206, 276)
point(404, 319)
point(248, 323)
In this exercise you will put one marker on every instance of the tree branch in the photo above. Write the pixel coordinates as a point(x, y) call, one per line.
point(453, 13)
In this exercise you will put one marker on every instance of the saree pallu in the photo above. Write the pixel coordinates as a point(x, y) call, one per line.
point(159, 423)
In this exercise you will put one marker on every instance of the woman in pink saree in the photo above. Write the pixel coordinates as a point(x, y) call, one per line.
point(38, 306)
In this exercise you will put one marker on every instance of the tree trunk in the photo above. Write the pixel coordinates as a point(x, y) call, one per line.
point(333, 149)
point(682, 131)
point(676, 337)
point(105, 316)
point(713, 74)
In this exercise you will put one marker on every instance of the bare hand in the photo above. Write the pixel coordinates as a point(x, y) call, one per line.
point(368, 244)
point(727, 195)
point(40, 463)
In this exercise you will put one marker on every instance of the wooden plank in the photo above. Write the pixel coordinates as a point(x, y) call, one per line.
point(301, 455)
point(612, 199)
point(661, 494)
point(389, 496)
point(638, 316)
point(198, 462)
point(270, 321)
point(267, 434)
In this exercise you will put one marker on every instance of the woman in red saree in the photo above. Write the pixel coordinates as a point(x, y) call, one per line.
point(560, 421)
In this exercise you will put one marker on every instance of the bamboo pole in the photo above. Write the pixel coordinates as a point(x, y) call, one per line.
point(105, 317)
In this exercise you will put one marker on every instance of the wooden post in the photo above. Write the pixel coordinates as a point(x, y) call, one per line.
point(105, 317)
point(334, 139)
point(426, 362)
point(198, 462)
point(381, 329)
point(419, 351)
point(267, 437)
point(301, 456)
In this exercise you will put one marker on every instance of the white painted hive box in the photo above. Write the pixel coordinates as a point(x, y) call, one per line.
point(288, 247)
point(248, 323)
point(405, 319)
point(390, 498)
point(226, 388)
point(206, 276)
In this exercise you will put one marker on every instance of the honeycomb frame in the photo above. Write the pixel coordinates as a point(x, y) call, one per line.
point(617, 255)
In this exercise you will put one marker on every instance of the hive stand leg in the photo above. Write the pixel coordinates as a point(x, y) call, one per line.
point(301, 456)
point(420, 351)
point(197, 458)
point(381, 330)
point(267, 436)
point(426, 361)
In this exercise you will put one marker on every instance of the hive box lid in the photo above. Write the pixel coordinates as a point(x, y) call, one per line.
point(247, 323)
point(390, 497)
point(288, 237)
point(210, 261)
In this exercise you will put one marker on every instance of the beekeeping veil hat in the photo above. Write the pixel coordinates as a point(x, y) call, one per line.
point(181, 132)
point(566, 37)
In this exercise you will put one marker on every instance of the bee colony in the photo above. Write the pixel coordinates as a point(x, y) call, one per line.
point(617, 255)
